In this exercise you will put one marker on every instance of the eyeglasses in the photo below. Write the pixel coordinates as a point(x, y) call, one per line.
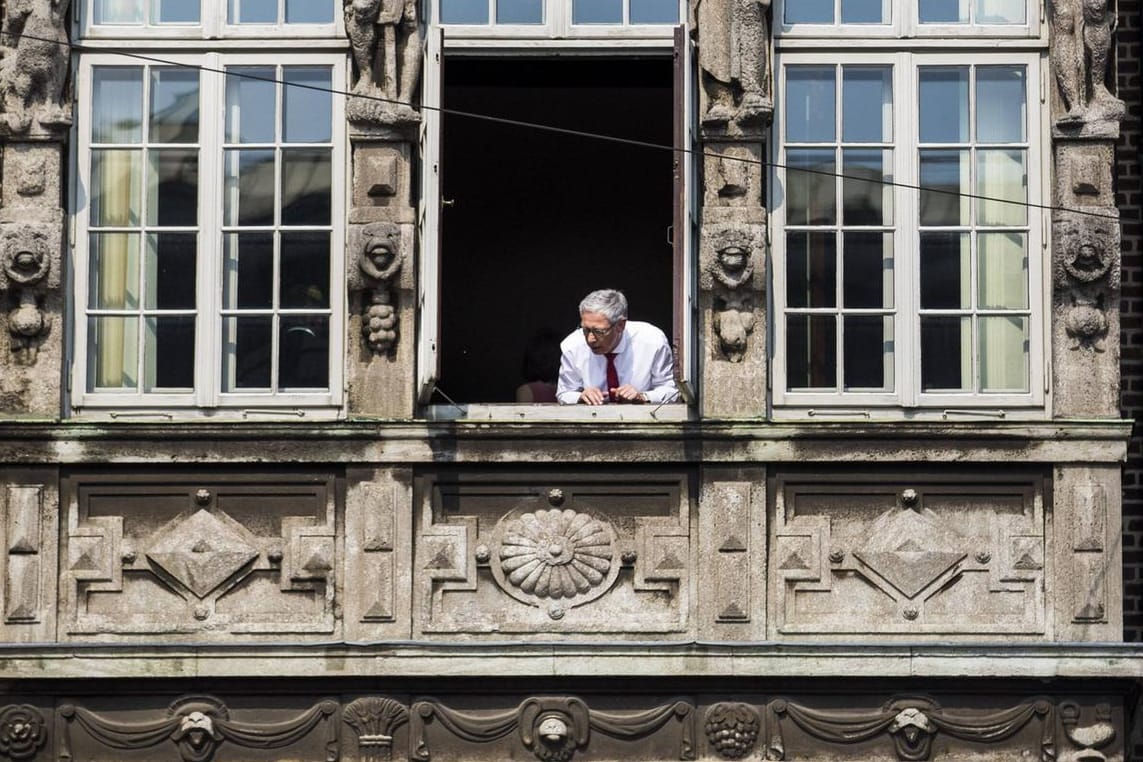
point(599, 333)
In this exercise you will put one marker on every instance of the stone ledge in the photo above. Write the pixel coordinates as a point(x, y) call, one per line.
point(692, 661)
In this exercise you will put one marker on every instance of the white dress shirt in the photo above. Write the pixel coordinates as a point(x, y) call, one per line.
point(642, 358)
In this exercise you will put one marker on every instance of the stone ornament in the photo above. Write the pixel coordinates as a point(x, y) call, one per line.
point(1087, 276)
point(34, 54)
point(374, 719)
point(23, 731)
point(552, 728)
point(729, 252)
point(26, 257)
point(733, 40)
point(1080, 55)
point(559, 558)
point(911, 725)
point(197, 726)
point(732, 729)
point(379, 256)
point(386, 41)
point(1088, 738)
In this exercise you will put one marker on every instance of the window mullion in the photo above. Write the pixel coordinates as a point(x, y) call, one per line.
point(906, 239)
point(208, 351)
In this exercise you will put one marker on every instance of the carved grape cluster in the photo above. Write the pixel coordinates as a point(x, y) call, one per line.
point(381, 326)
point(732, 729)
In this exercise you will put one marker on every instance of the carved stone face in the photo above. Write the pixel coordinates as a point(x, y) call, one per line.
point(198, 729)
point(552, 729)
point(379, 255)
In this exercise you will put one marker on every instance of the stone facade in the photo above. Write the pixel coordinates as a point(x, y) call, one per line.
point(714, 586)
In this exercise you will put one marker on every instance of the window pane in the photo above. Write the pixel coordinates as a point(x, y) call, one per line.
point(253, 12)
point(597, 11)
point(117, 108)
point(114, 276)
point(868, 270)
point(868, 352)
point(307, 112)
point(810, 107)
point(944, 180)
point(249, 198)
point(866, 198)
point(943, 95)
point(309, 12)
point(304, 354)
point(864, 12)
point(811, 196)
point(169, 271)
point(174, 106)
point(944, 11)
point(521, 12)
point(809, 12)
point(113, 352)
point(1004, 354)
point(1002, 271)
point(247, 349)
point(118, 12)
point(863, 89)
point(654, 12)
point(172, 187)
point(305, 270)
point(464, 11)
point(1000, 11)
point(306, 186)
point(946, 353)
point(1001, 175)
point(116, 187)
point(946, 279)
point(169, 362)
point(250, 100)
point(811, 351)
point(177, 11)
point(249, 266)
point(811, 269)
point(1000, 98)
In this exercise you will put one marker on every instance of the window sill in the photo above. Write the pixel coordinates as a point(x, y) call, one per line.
point(555, 412)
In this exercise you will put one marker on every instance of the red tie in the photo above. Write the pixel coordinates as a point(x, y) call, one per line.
point(612, 376)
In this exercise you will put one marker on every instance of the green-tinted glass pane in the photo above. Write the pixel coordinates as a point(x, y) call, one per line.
point(1004, 354)
point(1002, 271)
point(116, 187)
point(113, 352)
point(113, 278)
point(1002, 183)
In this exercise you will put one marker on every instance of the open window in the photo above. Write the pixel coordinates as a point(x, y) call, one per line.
point(519, 222)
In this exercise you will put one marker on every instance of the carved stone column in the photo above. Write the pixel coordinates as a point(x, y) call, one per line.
point(35, 113)
point(735, 108)
point(1085, 237)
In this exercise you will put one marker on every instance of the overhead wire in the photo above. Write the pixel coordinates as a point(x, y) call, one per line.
point(561, 130)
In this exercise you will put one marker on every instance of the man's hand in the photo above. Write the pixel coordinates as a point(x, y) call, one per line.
point(592, 396)
point(628, 393)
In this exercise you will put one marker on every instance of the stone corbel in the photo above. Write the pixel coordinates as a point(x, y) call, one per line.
point(377, 254)
point(29, 266)
point(1086, 275)
point(731, 253)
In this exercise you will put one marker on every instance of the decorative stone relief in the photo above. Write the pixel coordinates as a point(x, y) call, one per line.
point(911, 725)
point(552, 728)
point(374, 720)
point(379, 256)
point(1080, 54)
point(178, 561)
point(34, 55)
point(728, 549)
point(940, 558)
point(733, 40)
point(1089, 739)
point(28, 253)
point(730, 252)
point(23, 552)
point(1087, 276)
point(1089, 521)
point(197, 726)
point(23, 731)
point(732, 729)
point(386, 42)
point(571, 559)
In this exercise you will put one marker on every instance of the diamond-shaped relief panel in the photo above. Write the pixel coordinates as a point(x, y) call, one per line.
point(201, 552)
point(797, 557)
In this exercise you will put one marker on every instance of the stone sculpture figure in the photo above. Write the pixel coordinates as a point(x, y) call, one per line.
point(386, 43)
point(33, 66)
point(733, 42)
point(379, 259)
point(1081, 50)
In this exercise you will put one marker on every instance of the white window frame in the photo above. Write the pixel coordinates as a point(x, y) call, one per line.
point(212, 25)
point(558, 26)
point(907, 399)
point(904, 22)
point(207, 396)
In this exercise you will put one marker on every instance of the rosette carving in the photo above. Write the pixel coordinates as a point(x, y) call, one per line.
point(555, 558)
point(22, 731)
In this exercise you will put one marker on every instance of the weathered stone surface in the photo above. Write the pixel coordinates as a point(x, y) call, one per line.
point(732, 541)
point(734, 68)
point(34, 53)
point(1081, 35)
point(385, 39)
point(29, 500)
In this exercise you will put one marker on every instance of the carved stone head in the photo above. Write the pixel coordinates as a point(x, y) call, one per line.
point(378, 247)
point(197, 735)
point(912, 733)
point(26, 253)
point(553, 728)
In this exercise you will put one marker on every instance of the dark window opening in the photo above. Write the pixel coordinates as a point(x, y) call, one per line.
point(533, 220)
